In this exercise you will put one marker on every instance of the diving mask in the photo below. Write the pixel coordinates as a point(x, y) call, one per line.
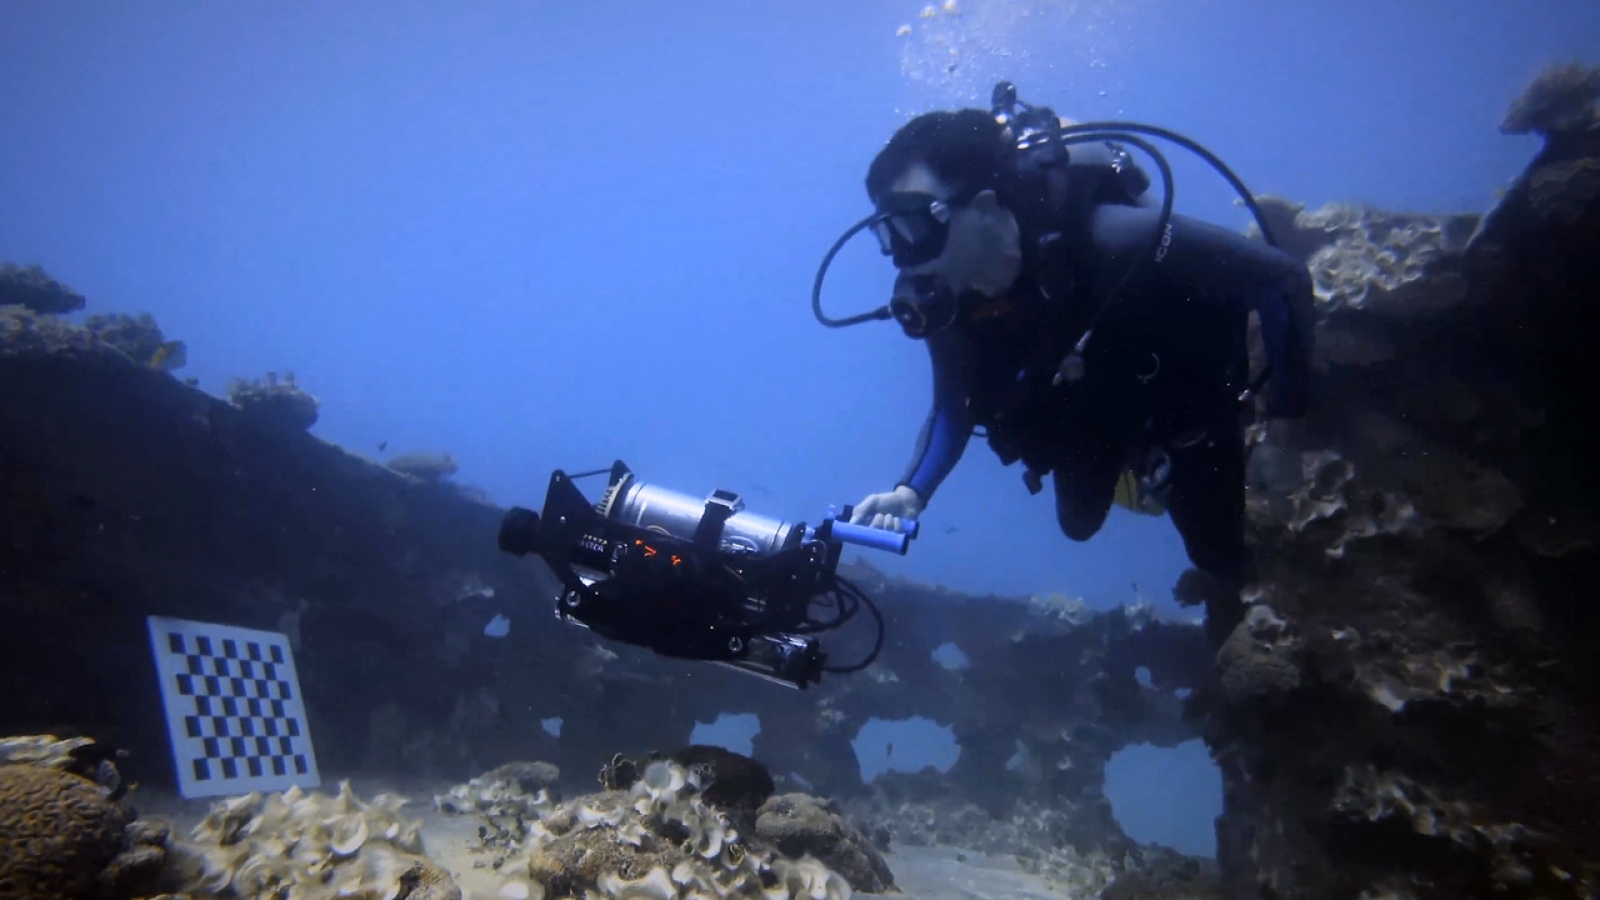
point(911, 227)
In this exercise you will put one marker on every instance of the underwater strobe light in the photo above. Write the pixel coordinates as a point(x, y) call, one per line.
point(700, 579)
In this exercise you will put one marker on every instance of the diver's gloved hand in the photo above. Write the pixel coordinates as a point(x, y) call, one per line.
point(887, 510)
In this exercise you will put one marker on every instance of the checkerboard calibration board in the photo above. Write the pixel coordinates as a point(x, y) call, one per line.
point(235, 716)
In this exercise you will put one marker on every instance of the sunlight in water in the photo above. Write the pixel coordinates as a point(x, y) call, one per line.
point(956, 50)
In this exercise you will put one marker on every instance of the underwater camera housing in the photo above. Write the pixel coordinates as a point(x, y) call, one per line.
point(700, 579)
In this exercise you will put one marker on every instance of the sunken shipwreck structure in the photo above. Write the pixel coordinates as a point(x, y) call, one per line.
point(1408, 704)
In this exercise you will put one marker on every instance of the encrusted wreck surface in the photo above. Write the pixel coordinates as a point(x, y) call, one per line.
point(1410, 706)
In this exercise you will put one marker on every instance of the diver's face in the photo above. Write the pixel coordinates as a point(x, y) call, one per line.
point(983, 251)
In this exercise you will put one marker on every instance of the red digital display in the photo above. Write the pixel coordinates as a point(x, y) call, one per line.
point(650, 552)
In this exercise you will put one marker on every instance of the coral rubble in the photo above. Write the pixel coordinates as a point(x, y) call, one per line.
point(659, 837)
point(800, 825)
point(307, 844)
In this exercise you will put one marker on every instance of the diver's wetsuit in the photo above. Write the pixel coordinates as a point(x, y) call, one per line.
point(1166, 364)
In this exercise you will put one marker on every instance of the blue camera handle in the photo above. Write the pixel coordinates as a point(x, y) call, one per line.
point(876, 538)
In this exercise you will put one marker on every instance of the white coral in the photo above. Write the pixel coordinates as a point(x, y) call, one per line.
point(300, 844)
point(1328, 489)
point(494, 797)
point(1370, 250)
point(654, 885)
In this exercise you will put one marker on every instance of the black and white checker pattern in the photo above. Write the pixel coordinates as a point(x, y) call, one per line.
point(233, 705)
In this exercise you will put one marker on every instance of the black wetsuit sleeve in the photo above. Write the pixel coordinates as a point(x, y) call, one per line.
point(1202, 261)
point(949, 424)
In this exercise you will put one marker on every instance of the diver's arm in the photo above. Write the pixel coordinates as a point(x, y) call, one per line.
point(1202, 261)
point(949, 424)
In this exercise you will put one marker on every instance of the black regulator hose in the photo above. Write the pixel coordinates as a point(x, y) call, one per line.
point(881, 312)
point(1091, 131)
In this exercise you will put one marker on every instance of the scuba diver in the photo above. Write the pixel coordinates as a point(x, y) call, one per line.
point(1089, 331)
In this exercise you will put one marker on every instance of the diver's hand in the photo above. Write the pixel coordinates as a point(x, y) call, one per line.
point(887, 510)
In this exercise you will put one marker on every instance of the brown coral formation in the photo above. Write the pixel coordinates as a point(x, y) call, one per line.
point(58, 834)
point(64, 835)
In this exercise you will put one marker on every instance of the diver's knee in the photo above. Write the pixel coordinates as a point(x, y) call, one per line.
point(1077, 526)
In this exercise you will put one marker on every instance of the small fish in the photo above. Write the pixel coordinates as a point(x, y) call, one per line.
point(1132, 494)
point(171, 355)
point(498, 627)
point(382, 446)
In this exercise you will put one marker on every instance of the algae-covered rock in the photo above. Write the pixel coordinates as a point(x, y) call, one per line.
point(529, 775)
point(428, 467)
point(731, 783)
point(517, 789)
point(30, 287)
point(275, 403)
point(799, 824)
point(24, 332)
point(1261, 659)
point(140, 338)
point(1560, 100)
point(1165, 875)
